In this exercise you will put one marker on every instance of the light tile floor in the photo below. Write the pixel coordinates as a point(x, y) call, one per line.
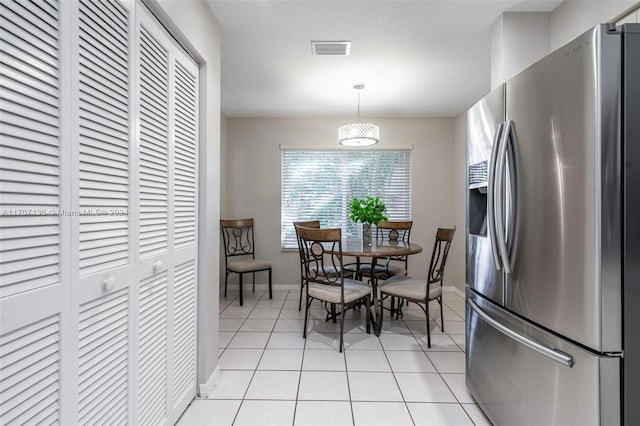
point(270, 375)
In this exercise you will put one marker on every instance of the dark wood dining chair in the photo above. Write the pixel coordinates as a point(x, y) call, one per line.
point(307, 224)
point(390, 233)
point(324, 276)
point(239, 253)
point(423, 291)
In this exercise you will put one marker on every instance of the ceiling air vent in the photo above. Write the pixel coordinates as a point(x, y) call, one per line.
point(331, 47)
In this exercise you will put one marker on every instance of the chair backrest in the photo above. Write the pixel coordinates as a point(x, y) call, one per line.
point(398, 231)
point(306, 224)
point(395, 232)
point(237, 237)
point(402, 230)
point(318, 265)
point(439, 256)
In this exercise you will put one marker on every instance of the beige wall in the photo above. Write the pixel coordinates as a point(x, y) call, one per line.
point(460, 192)
point(253, 182)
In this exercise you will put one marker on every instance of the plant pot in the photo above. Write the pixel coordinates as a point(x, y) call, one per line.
point(366, 235)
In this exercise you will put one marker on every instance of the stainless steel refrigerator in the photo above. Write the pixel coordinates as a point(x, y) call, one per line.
point(553, 238)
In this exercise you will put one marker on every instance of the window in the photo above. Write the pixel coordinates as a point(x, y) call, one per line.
point(319, 184)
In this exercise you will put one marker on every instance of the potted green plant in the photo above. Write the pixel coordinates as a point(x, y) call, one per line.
point(368, 211)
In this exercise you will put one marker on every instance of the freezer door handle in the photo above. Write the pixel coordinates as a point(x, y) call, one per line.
point(514, 208)
point(507, 158)
point(500, 195)
point(491, 196)
point(555, 354)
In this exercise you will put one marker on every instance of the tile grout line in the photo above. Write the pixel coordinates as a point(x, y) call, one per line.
point(346, 372)
point(305, 348)
point(395, 378)
point(442, 378)
point(253, 375)
point(457, 401)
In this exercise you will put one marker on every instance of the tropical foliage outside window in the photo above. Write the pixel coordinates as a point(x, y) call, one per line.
point(320, 184)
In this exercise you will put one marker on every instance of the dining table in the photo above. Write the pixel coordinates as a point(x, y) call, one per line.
point(379, 249)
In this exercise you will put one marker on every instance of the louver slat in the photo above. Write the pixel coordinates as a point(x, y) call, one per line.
point(154, 138)
point(152, 351)
point(185, 147)
point(103, 364)
point(104, 135)
point(30, 374)
point(29, 141)
point(184, 330)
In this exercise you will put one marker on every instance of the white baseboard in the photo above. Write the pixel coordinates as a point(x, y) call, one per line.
point(206, 389)
point(453, 289)
point(247, 287)
point(292, 287)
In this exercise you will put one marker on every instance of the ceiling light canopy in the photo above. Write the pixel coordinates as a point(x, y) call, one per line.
point(359, 134)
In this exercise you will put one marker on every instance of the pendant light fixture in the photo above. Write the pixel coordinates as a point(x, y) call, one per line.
point(359, 134)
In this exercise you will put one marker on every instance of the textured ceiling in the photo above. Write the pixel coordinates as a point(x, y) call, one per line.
point(416, 58)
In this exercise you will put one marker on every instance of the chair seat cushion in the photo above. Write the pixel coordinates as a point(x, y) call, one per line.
point(353, 290)
point(409, 288)
point(248, 265)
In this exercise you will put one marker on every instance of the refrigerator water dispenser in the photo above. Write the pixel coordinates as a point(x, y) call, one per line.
point(477, 204)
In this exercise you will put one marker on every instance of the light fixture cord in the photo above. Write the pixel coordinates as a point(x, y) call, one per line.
point(358, 106)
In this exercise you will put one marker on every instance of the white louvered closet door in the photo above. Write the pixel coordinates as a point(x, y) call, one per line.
point(32, 280)
point(184, 182)
point(97, 215)
point(102, 153)
point(166, 265)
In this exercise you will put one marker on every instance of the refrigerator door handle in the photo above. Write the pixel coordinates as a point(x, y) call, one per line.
point(555, 354)
point(499, 212)
point(491, 228)
point(514, 218)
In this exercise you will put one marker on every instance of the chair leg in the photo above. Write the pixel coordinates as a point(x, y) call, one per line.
point(270, 292)
point(307, 303)
point(393, 306)
point(401, 303)
point(368, 313)
point(226, 277)
point(428, 326)
point(441, 314)
point(240, 285)
point(254, 282)
point(301, 291)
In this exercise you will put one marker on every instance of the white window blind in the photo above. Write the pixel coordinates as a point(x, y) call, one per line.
point(319, 184)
